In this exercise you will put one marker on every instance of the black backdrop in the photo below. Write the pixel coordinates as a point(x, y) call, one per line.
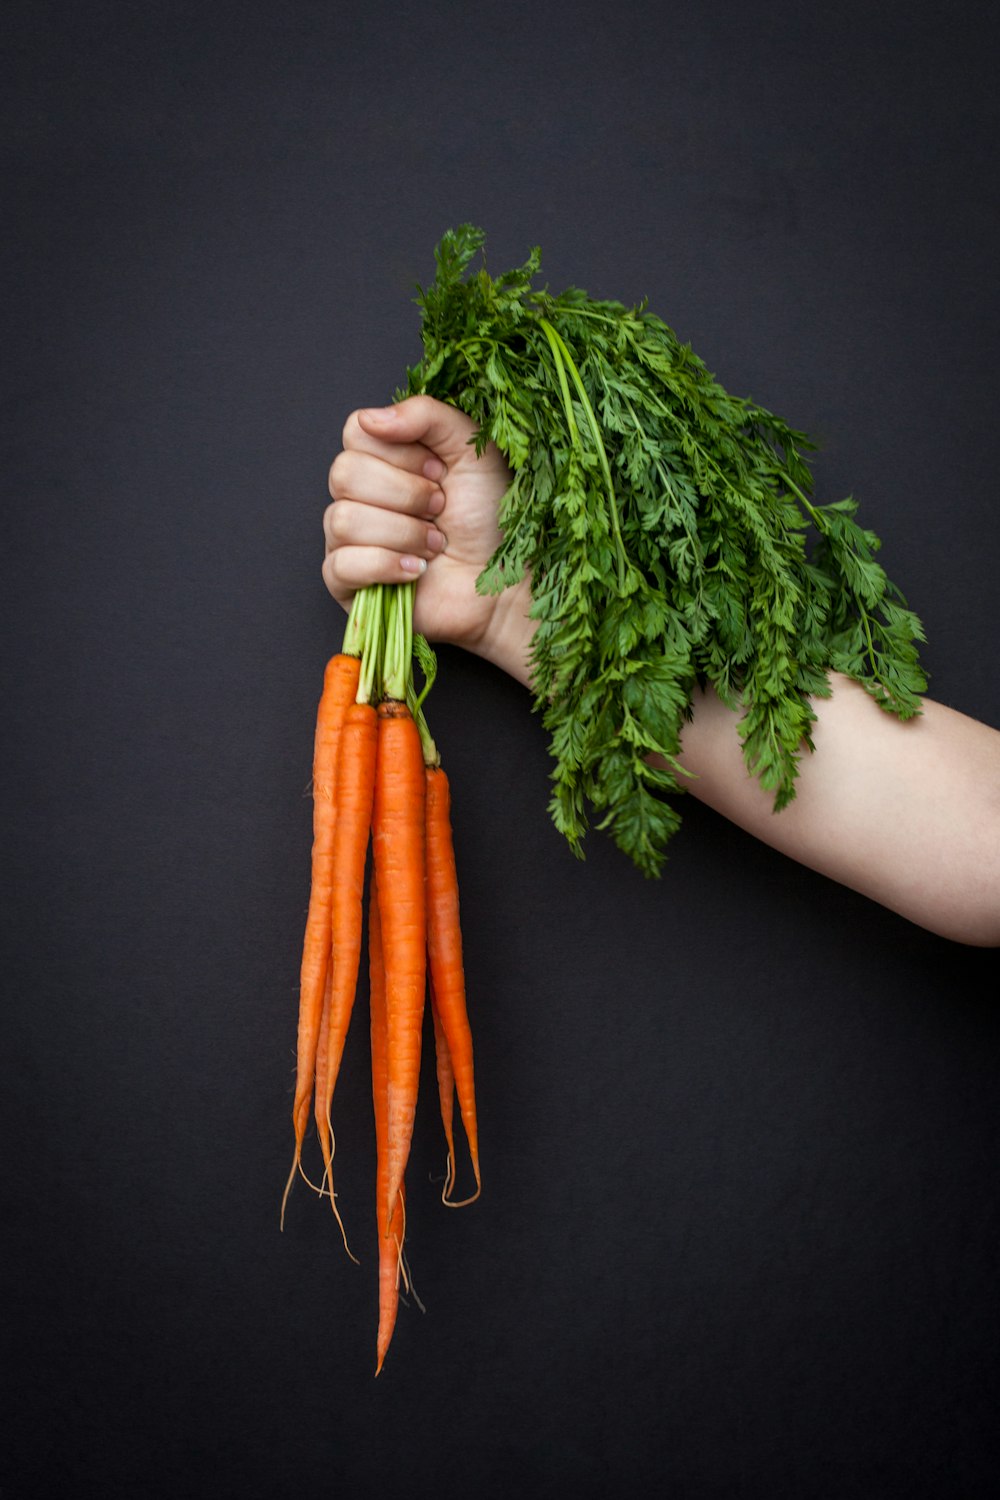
point(739, 1127)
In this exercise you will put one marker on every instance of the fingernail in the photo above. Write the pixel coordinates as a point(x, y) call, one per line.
point(434, 469)
point(413, 564)
point(436, 540)
point(378, 413)
point(435, 504)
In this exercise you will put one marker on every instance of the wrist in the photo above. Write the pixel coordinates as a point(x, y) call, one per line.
point(506, 642)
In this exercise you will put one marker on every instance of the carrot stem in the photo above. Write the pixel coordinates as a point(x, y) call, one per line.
point(372, 612)
point(398, 649)
point(357, 619)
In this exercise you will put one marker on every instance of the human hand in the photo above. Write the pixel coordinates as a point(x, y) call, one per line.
point(411, 501)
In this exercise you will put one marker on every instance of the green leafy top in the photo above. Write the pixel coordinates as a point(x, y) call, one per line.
point(664, 525)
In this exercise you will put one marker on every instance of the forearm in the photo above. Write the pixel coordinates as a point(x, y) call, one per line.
point(907, 814)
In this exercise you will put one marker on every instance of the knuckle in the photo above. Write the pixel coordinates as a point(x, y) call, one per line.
point(338, 523)
point(424, 407)
point(339, 470)
point(429, 489)
point(412, 493)
point(334, 575)
point(352, 430)
point(329, 572)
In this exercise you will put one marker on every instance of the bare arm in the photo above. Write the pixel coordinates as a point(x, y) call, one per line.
point(908, 814)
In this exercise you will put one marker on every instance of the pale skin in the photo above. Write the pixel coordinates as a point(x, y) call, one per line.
point(907, 814)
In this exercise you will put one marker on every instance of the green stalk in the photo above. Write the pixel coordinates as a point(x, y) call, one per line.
point(397, 660)
point(554, 342)
point(427, 745)
point(398, 652)
point(370, 619)
point(354, 634)
point(564, 361)
point(427, 662)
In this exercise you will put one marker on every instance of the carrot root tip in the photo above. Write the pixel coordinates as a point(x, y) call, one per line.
point(412, 1291)
point(340, 1222)
point(462, 1202)
point(296, 1165)
point(313, 1187)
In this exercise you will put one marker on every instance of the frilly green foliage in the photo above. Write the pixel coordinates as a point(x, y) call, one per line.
point(664, 524)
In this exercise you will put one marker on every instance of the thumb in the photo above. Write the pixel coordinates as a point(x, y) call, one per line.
point(444, 429)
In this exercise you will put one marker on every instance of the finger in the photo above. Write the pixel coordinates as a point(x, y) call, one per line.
point(351, 568)
point(372, 480)
point(423, 421)
point(415, 457)
point(348, 523)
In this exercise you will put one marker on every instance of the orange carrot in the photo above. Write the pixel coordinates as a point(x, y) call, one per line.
point(390, 1230)
point(398, 841)
point(446, 1089)
point(340, 685)
point(444, 946)
point(355, 791)
point(321, 1052)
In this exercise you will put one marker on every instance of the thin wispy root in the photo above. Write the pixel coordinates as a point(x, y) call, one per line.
point(326, 1190)
point(323, 1189)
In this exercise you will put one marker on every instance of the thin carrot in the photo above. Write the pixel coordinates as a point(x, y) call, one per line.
point(390, 1229)
point(399, 841)
point(320, 1188)
point(446, 1089)
point(444, 946)
point(340, 684)
point(355, 792)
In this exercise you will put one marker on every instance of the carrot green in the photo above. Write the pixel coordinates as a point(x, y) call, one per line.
point(672, 541)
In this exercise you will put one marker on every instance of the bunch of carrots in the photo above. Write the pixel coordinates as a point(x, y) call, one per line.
point(377, 777)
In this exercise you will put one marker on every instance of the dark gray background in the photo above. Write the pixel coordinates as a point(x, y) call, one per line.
point(739, 1127)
